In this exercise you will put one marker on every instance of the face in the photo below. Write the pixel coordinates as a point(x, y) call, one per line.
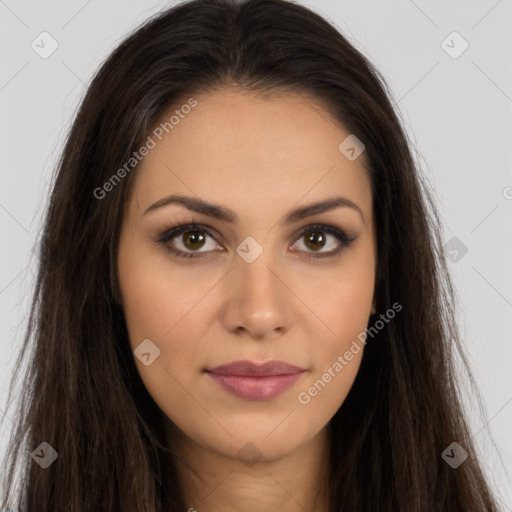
point(257, 283)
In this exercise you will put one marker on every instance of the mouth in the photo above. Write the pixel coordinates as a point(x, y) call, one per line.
point(256, 381)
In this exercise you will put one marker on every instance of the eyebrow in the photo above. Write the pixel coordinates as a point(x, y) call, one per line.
point(224, 214)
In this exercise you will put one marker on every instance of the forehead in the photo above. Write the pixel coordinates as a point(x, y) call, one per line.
point(247, 150)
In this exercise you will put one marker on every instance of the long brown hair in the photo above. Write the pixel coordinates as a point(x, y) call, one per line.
point(81, 390)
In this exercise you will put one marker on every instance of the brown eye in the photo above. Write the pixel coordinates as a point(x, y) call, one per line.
point(187, 240)
point(193, 241)
point(315, 240)
point(317, 237)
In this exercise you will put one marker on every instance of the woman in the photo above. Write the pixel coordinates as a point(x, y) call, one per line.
point(242, 301)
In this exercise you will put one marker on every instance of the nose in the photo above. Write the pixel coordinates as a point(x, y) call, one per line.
point(259, 302)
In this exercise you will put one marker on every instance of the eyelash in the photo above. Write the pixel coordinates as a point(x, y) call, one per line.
point(175, 231)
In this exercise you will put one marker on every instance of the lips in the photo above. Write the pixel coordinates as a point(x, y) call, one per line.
point(254, 369)
point(256, 381)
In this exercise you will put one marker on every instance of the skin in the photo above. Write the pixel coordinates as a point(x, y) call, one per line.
point(260, 156)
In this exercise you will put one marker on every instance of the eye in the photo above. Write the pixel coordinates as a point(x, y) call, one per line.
point(190, 237)
point(193, 237)
point(314, 237)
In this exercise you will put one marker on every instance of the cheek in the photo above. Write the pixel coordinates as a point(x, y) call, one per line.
point(158, 303)
point(175, 322)
point(159, 306)
point(170, 306)
point(339, 304)
point(325, 390)
point(348, 310)
point(337, 355)
point(342, 310)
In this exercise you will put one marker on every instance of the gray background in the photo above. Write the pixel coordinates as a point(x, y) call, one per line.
point(457, 112)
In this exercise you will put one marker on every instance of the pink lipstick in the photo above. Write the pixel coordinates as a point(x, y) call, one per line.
point(256, 381)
